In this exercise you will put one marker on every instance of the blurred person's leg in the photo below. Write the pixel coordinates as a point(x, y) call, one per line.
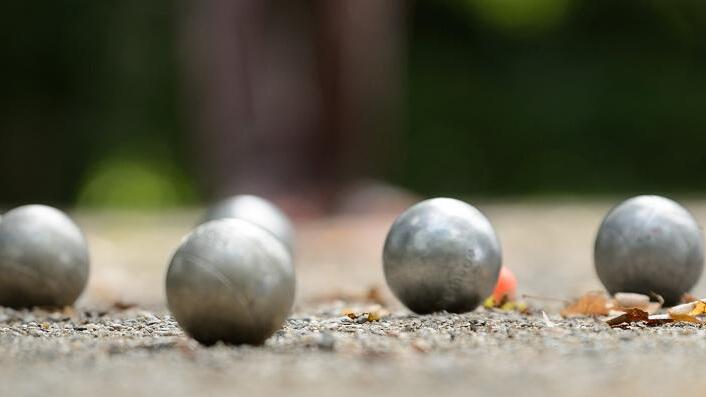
point(362, 45)
point(291, 97)
point(255, 98)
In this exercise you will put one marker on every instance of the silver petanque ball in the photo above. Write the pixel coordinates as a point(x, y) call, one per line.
point(230, 281)
point(441, 254)
point(43, 258)
point(649, 244)
point(258, 211)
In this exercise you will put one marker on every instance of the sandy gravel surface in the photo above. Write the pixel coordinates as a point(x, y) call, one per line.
point(100, 349)
point(140, 353)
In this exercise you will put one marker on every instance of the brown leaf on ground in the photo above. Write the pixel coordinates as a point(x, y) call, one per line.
point(590, 304)
point(369, 314)
point(632, 316)
point(658, 321)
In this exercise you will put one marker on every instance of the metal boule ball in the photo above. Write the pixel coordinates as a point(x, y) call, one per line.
point(649, 244)
point(230, 281)
point(441, 254)
point(258, 211)
point(43, 258)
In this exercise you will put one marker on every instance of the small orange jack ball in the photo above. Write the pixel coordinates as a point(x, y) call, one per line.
point(506, 286)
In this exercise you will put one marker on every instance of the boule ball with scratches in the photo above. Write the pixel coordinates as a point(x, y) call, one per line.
point(256, 210)
point(44, 258)
point(649, 244)
point(441, 254)
point(230, 281)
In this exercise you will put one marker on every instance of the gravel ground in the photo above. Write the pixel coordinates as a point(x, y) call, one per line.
point(120, 340)
point(140, 353)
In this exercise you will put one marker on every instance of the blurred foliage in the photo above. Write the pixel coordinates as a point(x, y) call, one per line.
point(609, 100)
point(83, 81)
point(504, 97)
point(520, 17)
point(124, 182)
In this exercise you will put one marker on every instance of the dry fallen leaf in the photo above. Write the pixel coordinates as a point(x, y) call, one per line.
point(371, 313)
point(653, 322)
point(598, 304)
point(590, 304)
point(630, 316)
point(687, 312)
point(634, 315)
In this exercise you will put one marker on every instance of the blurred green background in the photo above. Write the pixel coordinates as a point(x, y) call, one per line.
point(502, 98)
